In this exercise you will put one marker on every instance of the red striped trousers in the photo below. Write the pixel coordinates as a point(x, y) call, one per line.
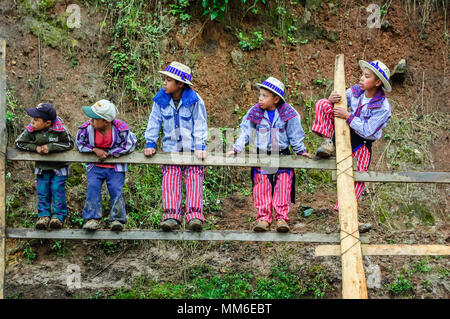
point(324, 125)
point(171, 191)
point(263, 199)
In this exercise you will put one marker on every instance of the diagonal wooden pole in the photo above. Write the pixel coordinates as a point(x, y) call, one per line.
point(2, 166)
point(353, 278)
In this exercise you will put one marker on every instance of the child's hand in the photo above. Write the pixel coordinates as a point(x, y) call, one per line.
point(306, 154)
point(44, 149)
point(335, 97)
point(38, 149)
point(230, 153)
point(149, 151)
point(100, 153)
point(201, 155)
point(341, 112)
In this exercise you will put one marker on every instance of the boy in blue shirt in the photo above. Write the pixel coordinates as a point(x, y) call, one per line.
point(182, 113)
point(276, 126)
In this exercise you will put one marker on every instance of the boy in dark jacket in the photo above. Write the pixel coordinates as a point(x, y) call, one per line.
point(47, 134)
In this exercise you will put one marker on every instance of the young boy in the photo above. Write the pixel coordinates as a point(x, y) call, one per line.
point(47, 134)
point(105, 135)
point(183, 115)
point(277, 126)
point(368, 113)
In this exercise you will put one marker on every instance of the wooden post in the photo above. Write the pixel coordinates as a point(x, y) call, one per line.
point(2, 166)
point(353, 278)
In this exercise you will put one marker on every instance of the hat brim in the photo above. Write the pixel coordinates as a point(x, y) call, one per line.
point(386, 85)
point(270, 89)
point(33, 112)
point(88, 111)
point(176, 77)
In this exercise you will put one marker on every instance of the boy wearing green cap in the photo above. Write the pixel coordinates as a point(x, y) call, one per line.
point(105, 135)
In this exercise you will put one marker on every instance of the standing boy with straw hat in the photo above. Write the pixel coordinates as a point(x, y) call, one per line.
point(104, 135)
point(277, 126)
point(183, 115)
point(368, 113)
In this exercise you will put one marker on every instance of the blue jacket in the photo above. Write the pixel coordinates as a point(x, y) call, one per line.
point(285, 130)
point(184, 128)
point(367, 120)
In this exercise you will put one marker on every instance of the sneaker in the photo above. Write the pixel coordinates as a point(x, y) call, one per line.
point(262, 226)
point(195, 225)
point(326, 149)
point(117, 225)
point(55, 223)
point(42, 222)
point(170, 224)
point(91, 224)
point(282, 226)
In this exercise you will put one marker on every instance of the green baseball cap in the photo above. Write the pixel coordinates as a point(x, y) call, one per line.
point(102, 109)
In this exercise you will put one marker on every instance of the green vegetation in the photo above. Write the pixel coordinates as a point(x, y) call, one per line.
point(281, 283)
point(250, 42)
point(401, 287)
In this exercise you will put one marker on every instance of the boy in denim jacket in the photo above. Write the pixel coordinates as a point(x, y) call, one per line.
point(182, 113)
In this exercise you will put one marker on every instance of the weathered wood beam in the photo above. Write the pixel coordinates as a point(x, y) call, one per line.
point(388, 250)
point(25, 233)
point(247, 160)
point(353, 277)
point(400, 177)
point(3, 141)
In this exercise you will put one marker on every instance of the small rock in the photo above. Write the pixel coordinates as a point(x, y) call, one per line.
point(399, 73)
point(364, 228)
point(373, 276)
point(385, 26)
point(315, 55)
point(13, 62)
point(298, 227)
point(236, 56)
point(350, 43)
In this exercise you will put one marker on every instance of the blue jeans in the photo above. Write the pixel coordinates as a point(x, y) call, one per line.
point(51, 190)
point(115, 181)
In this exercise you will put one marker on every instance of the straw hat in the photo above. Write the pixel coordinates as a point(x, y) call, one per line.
point(274, 85)
point(178, 71)
point(380, 70)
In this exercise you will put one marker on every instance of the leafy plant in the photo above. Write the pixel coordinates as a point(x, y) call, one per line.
point(401, 286)
point(249, 42)
point(29, 254)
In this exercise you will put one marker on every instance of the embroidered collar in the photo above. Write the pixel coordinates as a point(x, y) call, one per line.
point(57, 126)
point(188, 97)
point(285, 111)
point(375, 102)
point(118, 124)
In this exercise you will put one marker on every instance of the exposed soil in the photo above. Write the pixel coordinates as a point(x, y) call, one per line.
point(226, 86)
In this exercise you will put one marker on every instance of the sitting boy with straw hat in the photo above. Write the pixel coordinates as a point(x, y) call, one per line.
point(368, 113)
point(182, 113)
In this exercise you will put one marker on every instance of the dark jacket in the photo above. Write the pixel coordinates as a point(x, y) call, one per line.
point(57, 138)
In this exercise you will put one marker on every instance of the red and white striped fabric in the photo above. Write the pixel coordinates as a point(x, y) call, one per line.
point(324, 119)
point(171, 191)
point(324, 126)
point(263, 200)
